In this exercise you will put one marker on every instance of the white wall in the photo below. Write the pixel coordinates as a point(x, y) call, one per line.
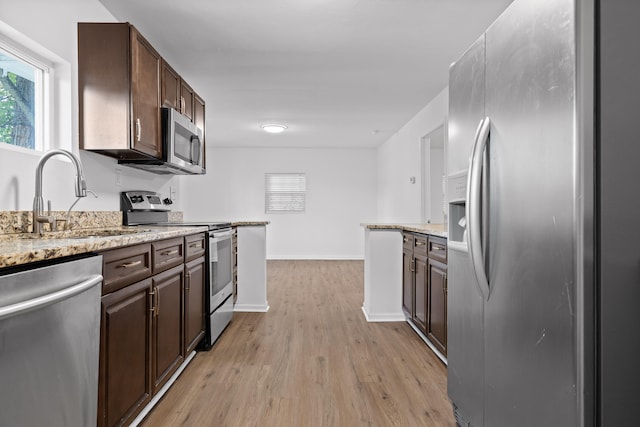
point(53, 26)
point(341, 193)
point(399, 159)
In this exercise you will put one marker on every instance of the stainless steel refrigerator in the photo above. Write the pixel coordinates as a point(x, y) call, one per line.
point(544, 262)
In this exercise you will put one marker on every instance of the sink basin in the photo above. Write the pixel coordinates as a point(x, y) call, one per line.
point(87, 233)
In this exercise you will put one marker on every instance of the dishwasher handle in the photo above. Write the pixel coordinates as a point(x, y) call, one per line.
point(52, 298)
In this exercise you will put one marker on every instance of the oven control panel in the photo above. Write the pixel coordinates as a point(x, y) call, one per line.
point(142, 201)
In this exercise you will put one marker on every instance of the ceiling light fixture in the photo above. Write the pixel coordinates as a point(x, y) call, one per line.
point(273, 128)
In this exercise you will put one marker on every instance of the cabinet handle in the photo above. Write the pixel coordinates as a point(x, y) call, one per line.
point(413, 264)
point(166, 253)
point(437, 248)
point(405, 240)
point(187, 282)
point(182, 104)
point(138, 130)
point(157, 293)
point(130, 264)
point(445, 288)
point(152, 294)
point(420, 243)
point(195, 245)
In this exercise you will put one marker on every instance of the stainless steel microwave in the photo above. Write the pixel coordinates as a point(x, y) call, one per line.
point(182, 142)
point(182, 147)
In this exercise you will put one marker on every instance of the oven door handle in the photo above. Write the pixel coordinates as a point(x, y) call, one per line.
point(221, 235)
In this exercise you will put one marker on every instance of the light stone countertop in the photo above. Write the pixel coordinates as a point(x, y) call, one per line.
point(439, 230)
point(248, 223)
point(15, 250)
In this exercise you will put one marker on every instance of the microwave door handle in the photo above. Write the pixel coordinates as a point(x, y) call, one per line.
point(195, 154)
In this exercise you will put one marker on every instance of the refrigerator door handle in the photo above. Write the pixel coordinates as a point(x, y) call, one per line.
point(474, 209)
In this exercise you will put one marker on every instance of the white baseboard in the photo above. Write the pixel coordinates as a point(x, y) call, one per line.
point(251, 308)
point(316, 257)
point(383, 317)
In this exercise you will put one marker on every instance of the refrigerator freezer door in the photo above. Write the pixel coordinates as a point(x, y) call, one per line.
point(465, 302)
point(530, 318)
point(466, 105)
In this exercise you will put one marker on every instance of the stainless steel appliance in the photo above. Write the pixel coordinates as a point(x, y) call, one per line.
point(49, 344)
point(543, 260)
point(182, 146)
point(147, 207)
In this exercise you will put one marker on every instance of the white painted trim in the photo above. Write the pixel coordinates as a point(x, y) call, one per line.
point(141, 416)
point(383, 317)
point(251, 308)
point(317, 257)
point(441, 356)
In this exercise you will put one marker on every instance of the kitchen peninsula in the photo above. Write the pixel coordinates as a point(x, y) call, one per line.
point(403, 265)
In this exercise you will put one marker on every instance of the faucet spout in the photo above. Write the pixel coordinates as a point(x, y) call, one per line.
point(38, 203)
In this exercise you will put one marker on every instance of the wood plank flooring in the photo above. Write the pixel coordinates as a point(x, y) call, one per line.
point(312, 360)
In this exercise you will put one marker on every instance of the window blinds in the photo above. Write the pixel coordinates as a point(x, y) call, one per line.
point(285, 192)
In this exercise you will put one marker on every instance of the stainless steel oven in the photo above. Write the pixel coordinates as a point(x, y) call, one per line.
point(221, 282)
point(147, 207)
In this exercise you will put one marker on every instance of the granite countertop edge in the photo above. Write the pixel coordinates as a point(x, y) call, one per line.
point(439, 230)
point(249, 223)
point(16, 251)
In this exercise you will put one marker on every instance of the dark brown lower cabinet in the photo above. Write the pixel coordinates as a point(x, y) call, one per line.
point(194, 280)
point(437, 322)
point(149, 323)
point(424, 286)
point(421, 291)
point(168, 338)
point(125, 354)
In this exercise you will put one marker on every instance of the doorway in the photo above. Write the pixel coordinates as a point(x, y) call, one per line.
point(433, 176)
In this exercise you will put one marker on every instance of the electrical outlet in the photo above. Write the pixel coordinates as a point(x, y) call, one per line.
point(118, 177)
point(173, 192)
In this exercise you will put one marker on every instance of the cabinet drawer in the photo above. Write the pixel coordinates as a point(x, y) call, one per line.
point(407, 241)
point(121, 267)
point(438, 249)
point(194, 246)
point(420, 245)
point(167, 253)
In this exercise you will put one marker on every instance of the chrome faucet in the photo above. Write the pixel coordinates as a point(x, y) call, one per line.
point(39, 218)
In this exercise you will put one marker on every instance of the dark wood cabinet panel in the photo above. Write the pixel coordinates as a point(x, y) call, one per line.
point(437, 324)
point(170, 84)
point(195, 246)
point(145, 96)
point(194, 280)
point(118, 91)
point(124, 266)
point(424, 286)
point(407, 282)
point(125, 352)
point(167, 254)
point(186, 99)
point(167, 325)
point(421, 292)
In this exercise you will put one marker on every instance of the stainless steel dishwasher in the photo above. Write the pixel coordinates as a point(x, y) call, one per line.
point(49, 344)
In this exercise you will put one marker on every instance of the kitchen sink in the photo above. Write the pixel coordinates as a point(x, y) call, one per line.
point(87, 233)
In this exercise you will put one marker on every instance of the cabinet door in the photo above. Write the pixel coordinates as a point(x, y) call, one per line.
point(420, 292)
point(194, 280)
point(145, 87)
point(186, 99)
point(199, 120)
point(407, 282)
point(168, 342)
point(125, 352)
point(170, 83)
point(437, 325)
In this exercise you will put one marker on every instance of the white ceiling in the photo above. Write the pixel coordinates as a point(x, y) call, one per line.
point(339, 73)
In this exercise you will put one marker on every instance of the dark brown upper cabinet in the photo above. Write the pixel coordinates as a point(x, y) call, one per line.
point(119, 91)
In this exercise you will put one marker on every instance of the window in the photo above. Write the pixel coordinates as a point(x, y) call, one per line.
point(23, 99)
point(285, 192)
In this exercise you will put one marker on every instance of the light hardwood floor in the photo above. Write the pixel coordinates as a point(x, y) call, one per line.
point(312, 360)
